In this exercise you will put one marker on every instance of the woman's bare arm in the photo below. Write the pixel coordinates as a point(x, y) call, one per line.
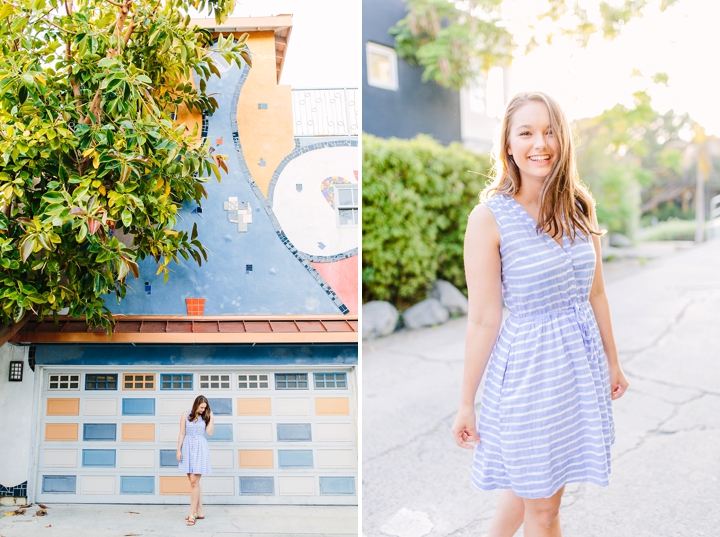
point(601, 309)
point(181, 437)
point(483, 275)
point(210, 429)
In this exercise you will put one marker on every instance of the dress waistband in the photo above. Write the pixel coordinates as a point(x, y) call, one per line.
point(577, 307)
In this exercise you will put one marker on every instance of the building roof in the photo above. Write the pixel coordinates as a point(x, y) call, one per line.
point(280, 24)
point(183, 329)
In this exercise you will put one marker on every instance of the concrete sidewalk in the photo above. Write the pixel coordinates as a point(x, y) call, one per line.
point(168, 521)
point(666, 461)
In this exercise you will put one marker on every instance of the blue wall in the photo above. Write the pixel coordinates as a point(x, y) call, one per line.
point(416, 107)
point(331, 354)
point(278, 282)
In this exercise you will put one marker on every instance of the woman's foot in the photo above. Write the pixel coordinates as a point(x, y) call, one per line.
point(190, 521)
point(199, 517)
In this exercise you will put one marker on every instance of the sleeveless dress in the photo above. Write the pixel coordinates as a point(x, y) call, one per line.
point(545, 417)
point(195, 452)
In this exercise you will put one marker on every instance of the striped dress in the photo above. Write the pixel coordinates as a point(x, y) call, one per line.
point(195, 452)
point(545, 418)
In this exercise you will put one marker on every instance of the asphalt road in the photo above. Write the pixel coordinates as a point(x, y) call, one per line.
point(666, 461)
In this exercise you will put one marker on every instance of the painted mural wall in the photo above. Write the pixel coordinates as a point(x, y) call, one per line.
point(280, 242)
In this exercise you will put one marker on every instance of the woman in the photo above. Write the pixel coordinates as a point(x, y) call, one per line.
point(552, 366)
point(193, 453)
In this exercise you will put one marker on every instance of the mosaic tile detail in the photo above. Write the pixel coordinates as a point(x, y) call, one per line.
point(239, 212)
point(266, 203)
point(327, 188)
point(18, 491)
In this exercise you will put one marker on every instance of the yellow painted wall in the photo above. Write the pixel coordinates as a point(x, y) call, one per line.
point(63, 407)
point(253, 407)
point(255, 458)
point(266, 134)
point(61, 432)
point(332, 406)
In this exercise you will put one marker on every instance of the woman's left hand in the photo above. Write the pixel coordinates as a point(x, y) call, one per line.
point(618, 382)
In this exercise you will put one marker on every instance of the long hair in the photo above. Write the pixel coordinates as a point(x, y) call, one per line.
point(566, 204)
point(200, 399)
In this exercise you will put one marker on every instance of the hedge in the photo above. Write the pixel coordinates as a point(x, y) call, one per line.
point(416, 197)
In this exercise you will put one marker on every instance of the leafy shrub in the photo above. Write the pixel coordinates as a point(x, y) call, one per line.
point(673, 229)
point(416, 196)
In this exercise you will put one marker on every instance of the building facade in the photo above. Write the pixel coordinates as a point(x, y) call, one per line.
point(266, 329)
point(397, 103)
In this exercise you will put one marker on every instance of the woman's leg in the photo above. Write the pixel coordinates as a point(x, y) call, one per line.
point(199, 509)
point(508, 516)
point(194, 492)
point(542, 516)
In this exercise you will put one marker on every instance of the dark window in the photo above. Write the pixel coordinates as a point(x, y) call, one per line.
point(330, 381)
point(291, 381)
point(179, 381)
point(101, 382)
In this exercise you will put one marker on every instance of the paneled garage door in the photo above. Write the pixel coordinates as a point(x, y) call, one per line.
point(284, 435)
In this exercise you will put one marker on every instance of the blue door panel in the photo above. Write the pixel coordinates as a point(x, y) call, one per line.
point(99, 431)
point(137, 484)
point(138, 406)
point(295, 458)
point(98, 457)
point(60, 484)
point(168, 458)
point(257, 485)
point(337, 485)
point(294, 432)
point(223, 433)
point(221, 406)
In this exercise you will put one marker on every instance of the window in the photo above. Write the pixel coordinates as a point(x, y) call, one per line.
point(16, 372)
point(346, 203)
point(64, 382)
point(138, 381)
point(101, 382)
point(179, 381)
point(214, 382)
point(330, 381)
point(382, 70)
point(253, 382)
point(291, 381)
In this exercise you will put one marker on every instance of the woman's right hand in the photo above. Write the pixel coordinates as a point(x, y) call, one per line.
point(464, 429)
point(178, 455)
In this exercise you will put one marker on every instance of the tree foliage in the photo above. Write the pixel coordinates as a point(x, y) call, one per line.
point(89, 151)
point(417, 196)
point(453, 41)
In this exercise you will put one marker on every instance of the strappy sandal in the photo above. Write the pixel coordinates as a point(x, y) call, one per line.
point(190, 521)
point(198, 517)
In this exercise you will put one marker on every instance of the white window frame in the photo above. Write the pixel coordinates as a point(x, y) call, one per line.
point(258, 378)
point(206, 380)
point(338, 207)
point(391, 55)
point(71, 377)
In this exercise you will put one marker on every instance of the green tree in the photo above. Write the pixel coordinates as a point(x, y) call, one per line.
point(88, 93)
point(454, 40)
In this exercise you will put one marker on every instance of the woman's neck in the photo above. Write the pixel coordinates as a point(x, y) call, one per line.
point(529, 193)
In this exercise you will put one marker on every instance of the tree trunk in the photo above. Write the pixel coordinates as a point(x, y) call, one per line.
point(6, 332)
point(699, 204)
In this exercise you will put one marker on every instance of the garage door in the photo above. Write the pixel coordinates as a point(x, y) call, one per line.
point(284, 435)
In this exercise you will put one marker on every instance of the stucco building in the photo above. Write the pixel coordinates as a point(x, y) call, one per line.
point(266, 329)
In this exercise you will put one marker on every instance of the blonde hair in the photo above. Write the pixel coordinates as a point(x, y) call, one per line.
point(566, 204)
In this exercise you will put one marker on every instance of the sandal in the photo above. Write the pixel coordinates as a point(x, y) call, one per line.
point(198, 517)
point(190, 521)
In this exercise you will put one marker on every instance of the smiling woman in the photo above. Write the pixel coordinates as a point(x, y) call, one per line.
point(552, 367)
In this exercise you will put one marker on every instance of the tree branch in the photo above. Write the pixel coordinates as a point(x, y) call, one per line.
point(8, 331)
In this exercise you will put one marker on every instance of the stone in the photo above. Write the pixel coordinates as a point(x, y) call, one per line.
point(429, 312)
point(620, 240)
point(379, 318)
point(450, 297)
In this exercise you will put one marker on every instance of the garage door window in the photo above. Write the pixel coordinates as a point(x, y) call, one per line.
point(330, 381)
point(182, 381)
point(101, 382)
point(293, 381)
point(214, 382)
point(64, 382)
point(253, 382)
point(138, 381)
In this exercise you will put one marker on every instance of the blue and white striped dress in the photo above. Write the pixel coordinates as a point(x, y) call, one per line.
point(195, 452)
point(545, 418)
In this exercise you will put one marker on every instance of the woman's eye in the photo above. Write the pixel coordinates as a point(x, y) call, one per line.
point(550, 133)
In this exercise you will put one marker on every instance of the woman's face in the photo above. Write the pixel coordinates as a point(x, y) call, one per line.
point(201, 408)
point(531, 142)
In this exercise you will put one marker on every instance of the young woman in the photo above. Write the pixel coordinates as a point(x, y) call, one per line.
point(552, 367)
point(193, 454)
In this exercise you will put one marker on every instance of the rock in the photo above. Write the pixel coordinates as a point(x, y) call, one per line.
point(429, 312)
point(450, 297)
point(379, 318)
point(620, 240)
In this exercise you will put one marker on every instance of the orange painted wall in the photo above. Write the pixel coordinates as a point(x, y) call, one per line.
point(332, 406)
point(63, 407)
point(61, 432)
point(266, 134)
point(174, 485)
point(342, 276)
point(254, 407)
